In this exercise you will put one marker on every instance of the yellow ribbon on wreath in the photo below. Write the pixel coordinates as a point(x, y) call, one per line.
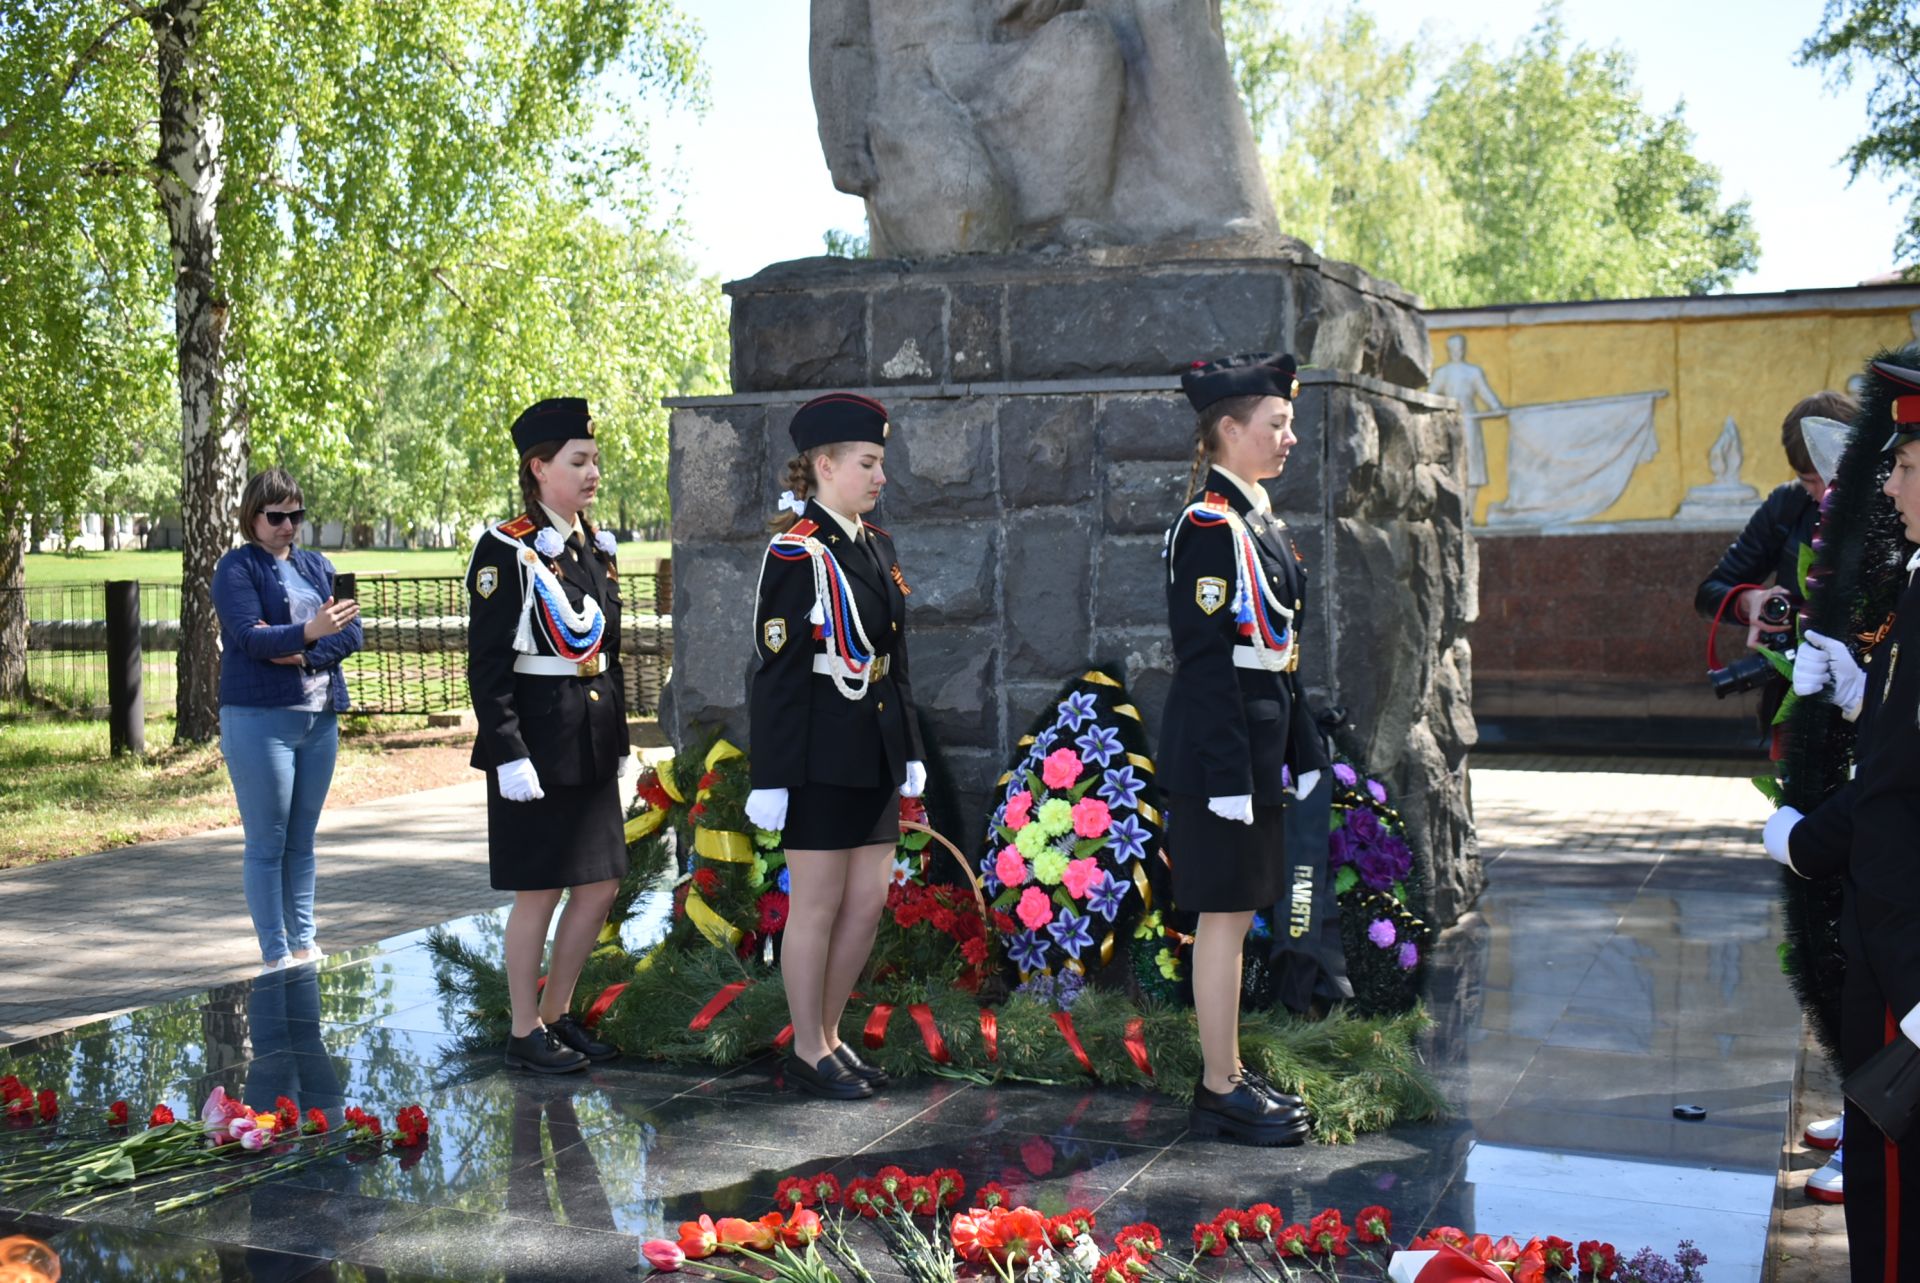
point(721, 933)
point(664, 769)
point(645, 824)
point(725, 845)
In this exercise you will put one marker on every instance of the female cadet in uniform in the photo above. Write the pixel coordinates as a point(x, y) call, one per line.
point(1233, 717)
point(835, 740)
point(543, 650)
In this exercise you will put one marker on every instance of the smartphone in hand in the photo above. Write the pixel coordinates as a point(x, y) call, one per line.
point(345, 586)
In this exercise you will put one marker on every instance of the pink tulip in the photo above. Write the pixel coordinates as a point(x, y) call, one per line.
point(222, 1109)
point(663, 1254)
point(258, 1138)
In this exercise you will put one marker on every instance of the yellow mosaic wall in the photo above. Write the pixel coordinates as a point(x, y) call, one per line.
point(1752, 367)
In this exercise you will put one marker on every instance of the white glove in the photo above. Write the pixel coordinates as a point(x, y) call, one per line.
point(626, 767)
point(1238, 807)
point(1306, 784)
point(1822, 661)
point(519, 782)
point(1774, 836)
point(1910, 1025)
point(916, 780)
point(767, 808)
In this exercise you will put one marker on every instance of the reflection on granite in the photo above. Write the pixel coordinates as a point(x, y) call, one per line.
point(1588, 994)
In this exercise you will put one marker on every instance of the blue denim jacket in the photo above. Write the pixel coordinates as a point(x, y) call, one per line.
point(247, 591)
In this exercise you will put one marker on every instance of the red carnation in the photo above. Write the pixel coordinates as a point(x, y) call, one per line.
point(1558, 1253)
point(286, 1115)
point(1209, 1239)
point(411, 1126)
point(49, 1106)
point(1264, 1220)
point(699, 812)
point(160, 1116)
point(1327, 1234)
point(825, 1187)
point(707, 880)
point(316, 1124)
point(1233, 1223)
point(1114, 1267)
point(11, 1089)
point(708, 780)
point(1597, 1260)
point(913, 810)
point(117, 1114)
point(20, 1108)
point(949, 1186)
point(1142, 1237)
point(792, 1193)
point(1373, 1224)
point(1291, 1241)
point(993, 1194)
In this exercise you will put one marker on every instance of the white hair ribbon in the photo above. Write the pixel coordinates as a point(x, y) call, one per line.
point(792, 503)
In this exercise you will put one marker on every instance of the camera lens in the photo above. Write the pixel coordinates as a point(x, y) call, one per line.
point(1775, 611)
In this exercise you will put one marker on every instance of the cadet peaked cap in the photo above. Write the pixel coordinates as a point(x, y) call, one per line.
point(837, 417)
point(1906, 407)
point(1249, 374)
point(559, 418)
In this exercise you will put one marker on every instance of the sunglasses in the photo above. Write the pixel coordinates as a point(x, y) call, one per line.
point(282, 518)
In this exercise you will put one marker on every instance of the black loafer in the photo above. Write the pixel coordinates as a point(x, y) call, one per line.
point(542, 1052)
point(872, 1075)
point(575, 1035)
point(1246, 1115)
point(829, 1079)
point(1264, 1085)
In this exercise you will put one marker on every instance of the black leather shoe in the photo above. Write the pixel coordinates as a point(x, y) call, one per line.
point(1264, 1085)
point(543, 1053)
point(872, 1075)
point(575, 1035)
point(1247, 1115)
point(829, 1079)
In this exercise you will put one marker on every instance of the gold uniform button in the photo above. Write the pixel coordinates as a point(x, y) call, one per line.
point(883, 706)
point(593, 694)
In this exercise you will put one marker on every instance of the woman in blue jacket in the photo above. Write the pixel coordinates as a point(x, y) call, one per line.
point(282, 637)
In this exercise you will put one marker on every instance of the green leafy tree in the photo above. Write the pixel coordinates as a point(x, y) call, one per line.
point(300, 190)
point(1880, 39)
point(1537, 175)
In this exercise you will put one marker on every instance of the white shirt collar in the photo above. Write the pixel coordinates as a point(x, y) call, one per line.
point(1256, 494)
point(849, 524)
point(1913, 562)
point(553, 519)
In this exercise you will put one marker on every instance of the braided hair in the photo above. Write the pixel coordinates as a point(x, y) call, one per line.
point(800, 479)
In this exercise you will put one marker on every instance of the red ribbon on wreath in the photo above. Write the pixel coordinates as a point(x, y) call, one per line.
point(716, 1004)
point(785, 1036)
point(990, 1033)
point(1065, 1021)
point(930, 1033)
point(876, 1034)
point(600, 1004)
point(1136, 1041)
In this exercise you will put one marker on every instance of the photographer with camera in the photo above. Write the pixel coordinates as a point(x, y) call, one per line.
point(1769, 549)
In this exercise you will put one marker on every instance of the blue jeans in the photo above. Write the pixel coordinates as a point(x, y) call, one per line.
point(281, 764)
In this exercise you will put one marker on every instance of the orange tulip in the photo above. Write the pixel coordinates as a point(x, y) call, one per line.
point(736, 1233)
point(699, 1239)
point(802, 1228)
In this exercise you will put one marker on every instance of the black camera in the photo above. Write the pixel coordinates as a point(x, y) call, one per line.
point(1753, 671)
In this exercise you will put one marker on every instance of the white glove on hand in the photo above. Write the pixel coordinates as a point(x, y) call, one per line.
point(1238, 807)
point(1774, 836)
point(519, 782)
point(916, 780)
point(1822, 661)
point(767, 808)
point(626, 768)
point(1306, 784)
point(1910, 1025)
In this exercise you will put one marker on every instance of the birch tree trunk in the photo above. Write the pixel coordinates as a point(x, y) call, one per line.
point(213, 414)
point(13, 570)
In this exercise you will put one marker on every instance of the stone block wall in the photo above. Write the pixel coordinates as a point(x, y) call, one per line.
point(1029, 518)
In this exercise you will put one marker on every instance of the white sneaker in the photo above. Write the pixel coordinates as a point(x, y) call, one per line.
point(307, 957)
point(1822, 1133)
point(268, 968)
point(1824, 1186)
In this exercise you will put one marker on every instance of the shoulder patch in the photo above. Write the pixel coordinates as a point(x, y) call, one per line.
point(486, 580)
point(519, 528)
point(1209, 593)
point(773, 634)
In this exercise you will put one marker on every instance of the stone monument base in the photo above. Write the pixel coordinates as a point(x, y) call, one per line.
point(1040, 448)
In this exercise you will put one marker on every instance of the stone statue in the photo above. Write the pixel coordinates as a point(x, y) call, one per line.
point(1726, 497)
point(983, 126)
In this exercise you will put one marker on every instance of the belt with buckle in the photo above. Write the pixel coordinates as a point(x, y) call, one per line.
point(554, 666)
point(827, 665)
point(1249, 657)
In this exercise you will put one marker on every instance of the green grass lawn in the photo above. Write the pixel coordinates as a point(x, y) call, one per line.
point(47, 569)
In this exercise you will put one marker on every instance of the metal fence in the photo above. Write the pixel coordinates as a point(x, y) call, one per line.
point(413, 660)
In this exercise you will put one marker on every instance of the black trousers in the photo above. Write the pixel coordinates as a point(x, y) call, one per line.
point(1882, 1179)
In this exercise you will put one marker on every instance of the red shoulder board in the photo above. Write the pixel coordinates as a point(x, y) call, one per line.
point(1214, 499)
point(519, 528)
point(876, 530)
point(803, 527)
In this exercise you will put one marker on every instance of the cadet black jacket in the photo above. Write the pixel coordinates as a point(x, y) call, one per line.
point(573, 728)
point(1869, 829)
point(1770, 545)
point(1228, 730)
point(803, 729)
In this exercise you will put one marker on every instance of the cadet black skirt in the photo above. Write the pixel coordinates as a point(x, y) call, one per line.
point(829, 817)
point(1224, 866)
point(572, 836)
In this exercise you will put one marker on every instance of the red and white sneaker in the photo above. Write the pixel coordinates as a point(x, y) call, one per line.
point(1824, 1186)
point(1822, 1133)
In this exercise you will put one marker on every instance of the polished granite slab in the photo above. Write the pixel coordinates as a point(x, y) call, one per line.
point(1573, 1010)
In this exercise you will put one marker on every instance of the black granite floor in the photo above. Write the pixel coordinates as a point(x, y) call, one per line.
point(1569, 1022)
